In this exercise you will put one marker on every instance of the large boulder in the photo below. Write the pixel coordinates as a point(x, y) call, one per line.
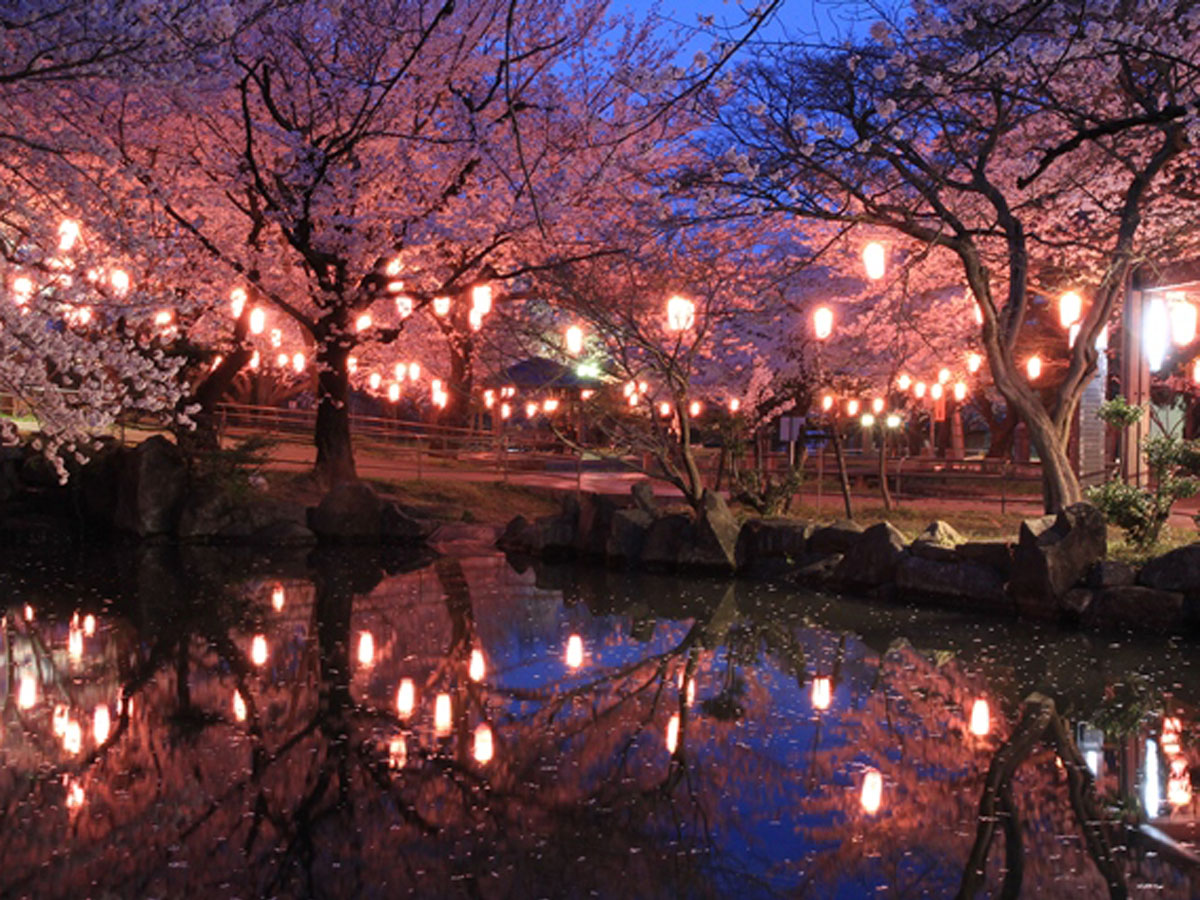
point(836, 538)
point(772, 539)
point(151, 486)
point(1111, 573)
point(350, 512)
point(1137, 607)
point(627, 535)
point(872, 560)
point(643, 497)
point(554, 536)
point(961, 584)
point(714, 547)
point(1053, 554)
point(517, 537)
point(219, 516)
point(1178, 570)
point(665, 539)
point(937, 541)
point(593, 521)
point(996, 555)
point(398, 526)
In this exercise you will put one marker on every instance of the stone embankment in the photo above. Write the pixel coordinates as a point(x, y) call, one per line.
point(1056, 570)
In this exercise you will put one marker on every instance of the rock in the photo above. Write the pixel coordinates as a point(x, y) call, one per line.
point(643, 497)
point(665, 538)
point(283, 533)
point(151, 486)
point(937, 541)
point(1111, 573)
point(517, 537)
point(1053, 554)
point(873, 558)
point(1136, 606)
point(714, 548)
point(979, 586)
point(349, 512)
point(594, 523)
point(817, 568)
point(996, 555)
point(836, 538)
point(627, 535)
point(761, 540)
point(97, 483)
point(1178, 570)
point(1076, 601)
point(398, 527)
point(464, 538)
point(554, 537)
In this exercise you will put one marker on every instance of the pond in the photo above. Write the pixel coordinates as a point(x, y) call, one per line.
point(210, 722)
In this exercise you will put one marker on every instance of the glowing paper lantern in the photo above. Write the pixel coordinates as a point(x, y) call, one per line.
point(822, 322)
point(936, 391)
point(867, 420)
point(363, 322)
point(374, 380)
point(943, 376)
point(366, 649)
point(406, 698)
point(298, 362)
point(893, 420)
point(276, 338)
point(681, 313)
point(694, 408)
point(481, 299)
point(22, 289)
point(872, 792)
point(414, 371)
point(981, 718)
point(476, 668)
point(258, 650)
point(550, 405)
point(1070, 308)
point(394, 392)
point(734, 405)
point(960, 391)
point(1196, 371)
point(441, 306)
point(404, 306)
point(574, 340)
point(441, 715)
point(475, 319)
point(574, 651)
point(531, 410)
point(827, 403)
point(1033, 368)
point(664, 408)
point(919, 389)
point(119, 279)
point(875, 260)
point(974, 361)
point(877, 405)
point(903, 382)
point(68, 234)
point(237, 302)
point(484, 745)
point(852, 407)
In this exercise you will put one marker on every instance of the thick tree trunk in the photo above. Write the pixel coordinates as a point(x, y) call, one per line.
point(1060, 486)
point(207, 394)
point(335, 452)
point(460, 383)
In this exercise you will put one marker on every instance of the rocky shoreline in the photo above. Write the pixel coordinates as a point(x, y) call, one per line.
point(1056, 570)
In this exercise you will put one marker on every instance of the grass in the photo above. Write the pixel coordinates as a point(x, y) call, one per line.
point(973, 524)
point(1172, 537)
point(481, 501)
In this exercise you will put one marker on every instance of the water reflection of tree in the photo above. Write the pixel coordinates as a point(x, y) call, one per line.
point(581, 795)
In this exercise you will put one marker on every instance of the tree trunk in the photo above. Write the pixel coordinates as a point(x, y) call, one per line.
point(1060, 485)
point(207, 394)
point(335, 452)
point(883, 474)
point(843, 478)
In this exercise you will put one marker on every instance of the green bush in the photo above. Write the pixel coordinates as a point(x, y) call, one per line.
point(1172, 464)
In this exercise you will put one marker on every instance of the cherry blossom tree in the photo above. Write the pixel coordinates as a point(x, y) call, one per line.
point(1033, 148)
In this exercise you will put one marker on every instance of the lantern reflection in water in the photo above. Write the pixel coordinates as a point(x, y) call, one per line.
point(28, 613)
point(277, 598)
point(75, 795)
point(822, 692)
point(872, 791)
point(61, 715)
point(981, 718)
point(398, 752)
point(72, 737)
point(484, 747)
point(89, 625)
point(1179, 783)
point(258, 649)
point(75, 644)
point(239, 707)
point(476, 669)
point(366, 649)
point(574, 651)
point(101, 723)
point(405, 698)
point(691, 691)
point(27, 692)
point(441, 715)
point(673, 733)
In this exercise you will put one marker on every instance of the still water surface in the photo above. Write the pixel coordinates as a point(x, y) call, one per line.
point(211, 723)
